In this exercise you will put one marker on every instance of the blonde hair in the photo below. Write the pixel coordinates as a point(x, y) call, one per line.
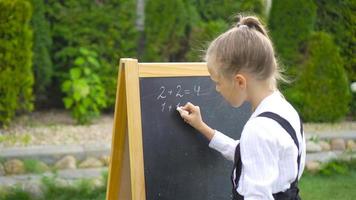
point(245, 47)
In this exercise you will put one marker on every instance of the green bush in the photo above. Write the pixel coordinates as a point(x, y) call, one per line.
point(291, 23)
point(15, 193)
point(16, 77)
point(167, 25)
point(34, 166)
point(85, 92)
point(42, 64)
point(106, 27)
point(321, 93)
point(200, 37)
point(256, 7)
point(217, 9)
point(338, 19)
point(215, 17)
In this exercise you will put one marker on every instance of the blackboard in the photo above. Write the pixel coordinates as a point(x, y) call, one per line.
point(178, 164)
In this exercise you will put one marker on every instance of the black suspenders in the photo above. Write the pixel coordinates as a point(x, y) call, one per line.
point(292, 192)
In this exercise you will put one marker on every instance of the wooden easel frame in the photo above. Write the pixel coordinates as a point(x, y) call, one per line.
point(126, 180)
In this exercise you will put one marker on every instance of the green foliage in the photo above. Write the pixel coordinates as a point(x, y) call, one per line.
point(201, 35)
point(338, 18)
point(166, 34)
point(183, 36)
point(34, 166)
point(106, 27)
point(210, 10)
point(291, 23)
point(16, 77)
point(15, 193)
point(255, 7)
point(334, 167)
point(82, 189)
point(321, 93)
point(11, 139)
point(42, 64)
point(85, 92)
point(336, 186)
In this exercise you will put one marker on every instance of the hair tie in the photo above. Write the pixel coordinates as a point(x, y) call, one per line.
point(242, 26)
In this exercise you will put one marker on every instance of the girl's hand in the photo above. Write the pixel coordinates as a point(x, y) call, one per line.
point(191, 115)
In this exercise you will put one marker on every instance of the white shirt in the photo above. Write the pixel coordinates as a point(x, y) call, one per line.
point(268, 153)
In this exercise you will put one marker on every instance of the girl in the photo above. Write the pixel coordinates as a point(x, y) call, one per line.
point(270, 155)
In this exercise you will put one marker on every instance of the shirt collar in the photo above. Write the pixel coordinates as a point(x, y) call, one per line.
point(267, 103)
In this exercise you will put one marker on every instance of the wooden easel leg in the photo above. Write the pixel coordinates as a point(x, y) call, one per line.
point(119, 183)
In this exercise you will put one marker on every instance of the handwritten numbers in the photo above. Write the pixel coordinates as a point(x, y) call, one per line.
point(197, 89)
point(161, 96)
point(163, 105)
point(179, 88)
point(167, 94)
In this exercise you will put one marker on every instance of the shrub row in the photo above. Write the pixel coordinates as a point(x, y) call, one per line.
point(173, 31)
point(16, 77)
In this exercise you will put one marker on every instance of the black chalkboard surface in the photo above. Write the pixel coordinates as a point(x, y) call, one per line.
point(178, 164)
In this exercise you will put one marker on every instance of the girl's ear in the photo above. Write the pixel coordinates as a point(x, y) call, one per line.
point(240, 81)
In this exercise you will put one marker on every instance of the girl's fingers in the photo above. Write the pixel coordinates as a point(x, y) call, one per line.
point(182, 112)
point(189, 106)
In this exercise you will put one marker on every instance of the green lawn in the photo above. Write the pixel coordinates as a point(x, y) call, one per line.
point(332, 187)
point(313, 187)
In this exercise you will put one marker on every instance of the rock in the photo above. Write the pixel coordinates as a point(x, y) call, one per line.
point(91, 162)
point(14, 166)
point(338, 144)
point(325, 146)
point(67, 162)
point(351, 145)
point(105, 160)
point(323, 157)
point(313, 147)
point(34, 189)
point(2, 170)
point(43, 166)
point(312, 166)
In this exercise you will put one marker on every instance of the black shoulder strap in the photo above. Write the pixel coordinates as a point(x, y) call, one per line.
point(290, 130)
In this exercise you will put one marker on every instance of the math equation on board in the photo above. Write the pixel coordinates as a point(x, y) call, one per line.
point(169, 96)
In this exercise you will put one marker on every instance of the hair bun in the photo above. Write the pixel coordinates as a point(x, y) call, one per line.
point(251, 22)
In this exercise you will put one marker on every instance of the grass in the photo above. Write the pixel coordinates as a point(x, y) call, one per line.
point(12, 139)
point(321, 187)
point(53, 190)
point(34, 166)
point(340, 184)
point(82, 190)
point(336, 180)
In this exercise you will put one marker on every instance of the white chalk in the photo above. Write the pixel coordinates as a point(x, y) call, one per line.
point(179, 109)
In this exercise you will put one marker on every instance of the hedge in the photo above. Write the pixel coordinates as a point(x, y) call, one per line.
point(321, 93)
point(291, 23)
point(200, 37)
point(42, 63)
point(338, 18)
point(16, 77)
point(167, 25)
point(105, 27)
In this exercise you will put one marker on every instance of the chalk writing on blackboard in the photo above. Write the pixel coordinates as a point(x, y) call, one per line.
point(176, 93)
